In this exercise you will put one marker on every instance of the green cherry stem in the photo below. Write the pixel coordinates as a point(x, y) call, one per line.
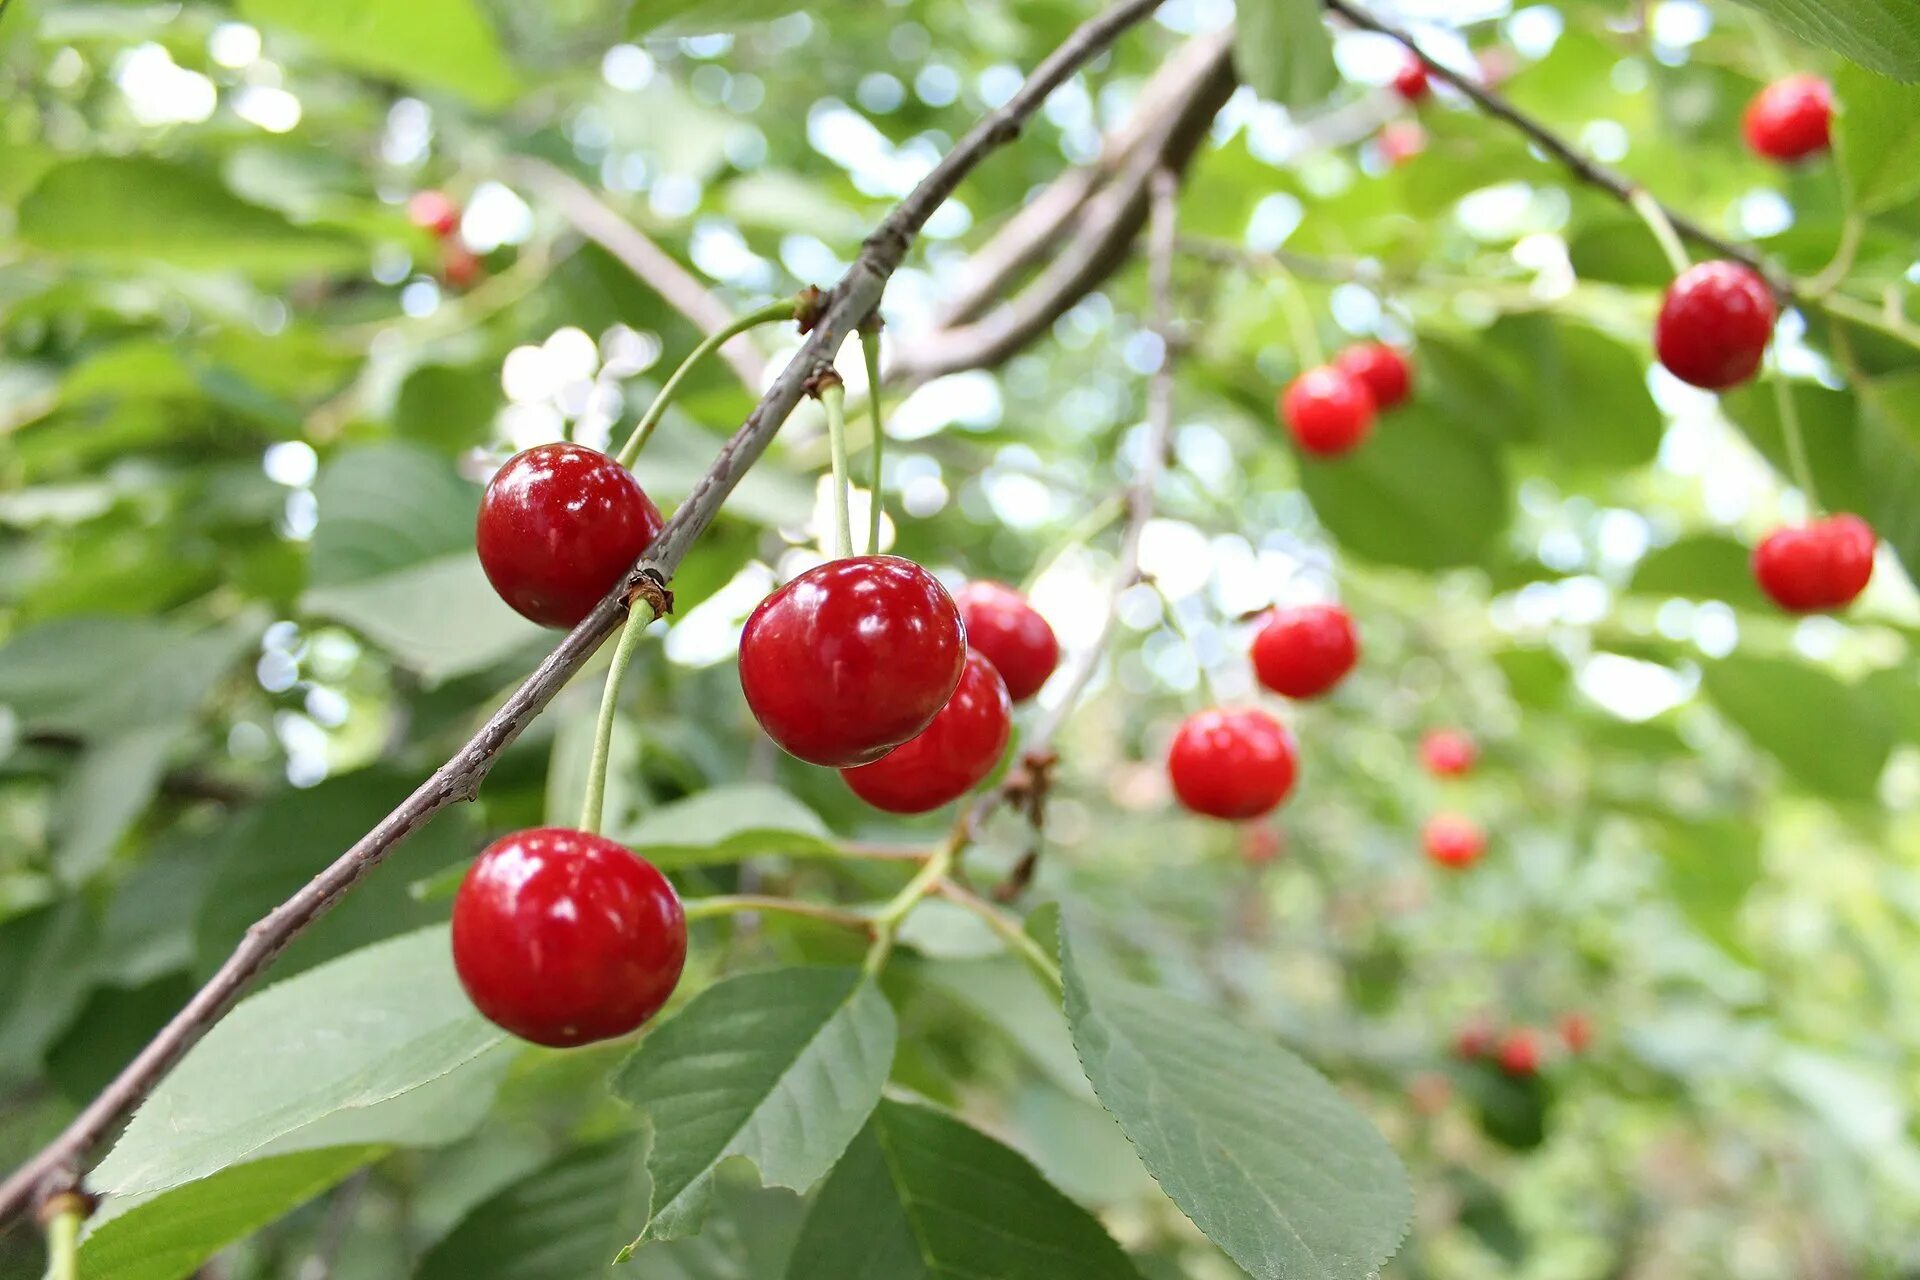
point(1790, 430)
point(63, 1244)
point(1009, 930)
point(1300, 324)
point(1655, 217)
point(638, 620)
point(887, 921)
point(870, 352)
point(833, 398)
point(773, 312)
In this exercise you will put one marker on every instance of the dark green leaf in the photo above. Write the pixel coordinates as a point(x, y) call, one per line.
point(1882, 34)
point(1777, 702)
point(98, 676)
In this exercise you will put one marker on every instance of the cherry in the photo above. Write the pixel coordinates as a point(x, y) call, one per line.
point(1576, 1031)
point(1011, 633)
point(1520, 1052)
point(1232, 763)
point(1401, 141)
point(559, 527)
point(1382, 369)
point(1453, 841)
point(961, 746)
point(1824, 565)
point(460, 266)
point(1475, 1039)
point(564, 937)
point(434, 211)
point(1304, 651)
point(1328, 411)
point(1410, 81)
point(1714, 325)
point(1790, 119)
point(1448, 753)
point(851, 659)
point(1262, 845)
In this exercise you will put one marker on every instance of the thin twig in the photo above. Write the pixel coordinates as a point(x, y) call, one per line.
point(59, 1164)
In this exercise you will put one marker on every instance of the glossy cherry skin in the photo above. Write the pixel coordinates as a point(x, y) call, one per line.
point(1715, 324)
point(1520, 1052)
point(1791, 119)
point(1304, 651)
point(1328, 411)
point(1011, 633)
point(559, 527)
point(1576, 1031)
point(1410, 81)
point(1232, 763)
point(1382, 369)
point(948, 757)
point(1448, 753)
point(563, 937)
point(851, 659)
point(1453, 841)
point(434, 211)
point(1823, 565)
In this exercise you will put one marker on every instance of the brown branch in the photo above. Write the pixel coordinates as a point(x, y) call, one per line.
point(58, 1166)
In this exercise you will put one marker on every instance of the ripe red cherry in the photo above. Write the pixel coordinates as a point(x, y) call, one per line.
point(1401, 141)
point(1448, 753)
point(1576, 1031)
point(559, 527)
point(1011, 633)
point(1790, 119)
point(1303, 652)
point(1824, 565)
point(1475, 1039)
point(460, 266)
point(1382, 369)
point(1454, 841)
point(1232, 763)
point(1715, 324)
point(564, 937)
point(434, 211)
point(1410, 81)
point(851, 659)
point(960, 747)
point(1327, 410)
point(1520, 1052)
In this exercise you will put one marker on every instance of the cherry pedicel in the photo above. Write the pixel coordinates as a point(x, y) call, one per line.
point(1410, 81)
point(961, 746)
point(1520, 1052)
point(559, 527)
point(1453, 841)
point(1303, 652)
point(1791, 119)
point(1011, 634)
point(851, 659)
point(1232, 763)
point(1448, 753)
point(1714, 325)
point(564, 937)
point(1328, 411)
point(1382, 369)
point(1823, 565)
point(434, 211)
point(1576, 1031)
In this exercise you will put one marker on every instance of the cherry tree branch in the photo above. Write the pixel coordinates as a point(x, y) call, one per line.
point(58, 1166)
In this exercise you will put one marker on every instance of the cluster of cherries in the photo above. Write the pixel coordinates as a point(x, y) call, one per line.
point(1520, 1051)
point(435, 213)
point(1330, 409)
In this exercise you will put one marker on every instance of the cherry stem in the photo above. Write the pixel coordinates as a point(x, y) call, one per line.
point(1008, 928)
point(63, 1245)
point(1651, 213)
point(870, 352)
point(1889, 321)
point(773, 312)
point(833, 398)
point(1790, 430)
point(927, 880)
point(736, 903)
point(594, 803)
point(1851, 231)
point(1078, 534)
point(1300, 324)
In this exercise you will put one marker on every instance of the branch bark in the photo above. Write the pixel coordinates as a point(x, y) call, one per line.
point(58, 1166)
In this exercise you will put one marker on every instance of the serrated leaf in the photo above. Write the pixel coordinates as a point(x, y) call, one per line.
point(1254, 1145)
point(1875, 139)
point(781, 1067)
point(437, 44)
point(1882, 34)
point(922, 1196)
point(1773, 700)
point(726, 824)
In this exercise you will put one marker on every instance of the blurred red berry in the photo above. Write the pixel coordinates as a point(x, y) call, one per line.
point(1791, 119)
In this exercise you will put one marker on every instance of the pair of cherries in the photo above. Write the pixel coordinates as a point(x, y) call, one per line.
point(1330, 409)
point(1520, 1051)
point(435, 213)
point(1452, 840)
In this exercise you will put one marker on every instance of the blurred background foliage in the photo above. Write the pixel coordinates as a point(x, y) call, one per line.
point(244, 415)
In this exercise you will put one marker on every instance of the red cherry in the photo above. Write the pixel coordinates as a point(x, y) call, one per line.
point(434, 211)
point(1453, 841)
point(1715, 324)
point(1576, 1031)
point(851, 659)
point(1382, 369)
point(1448, 753)
point(1520, 1052)
point(1824, 565)
point(1303, 652)
point(1328, 411)
point(460, 266)
point(564, 937)
point(1232, 764)
point(1475, 1038)
point(1410, 81)
point(1401, 141)
point(1790, 119)
point(559, 527)
point(961, 746)
point(1011, 633)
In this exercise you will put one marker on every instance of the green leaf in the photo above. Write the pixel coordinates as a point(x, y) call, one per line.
point(1828, 424)
point(1890, 462)
point(167, 1236)
point(108, 788)
point(46, 969)
point(101, 676)
point(436, 44)
point(1595, 409)
point(1004, 993)
point(1774, 700)
point(1882, 34)
point(782, 1067)
point(187, 218)
point(1254, 1145)
point(1701, 566)
point(448, 407)
point(565, 1220)
point(701, 17)
point(1875, 139)
point(1711, 867)
point(727, 824)
point(330, 1045)
point(922, 1196)
point(1281, 48)
point(439, 619)
point(388, 507)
